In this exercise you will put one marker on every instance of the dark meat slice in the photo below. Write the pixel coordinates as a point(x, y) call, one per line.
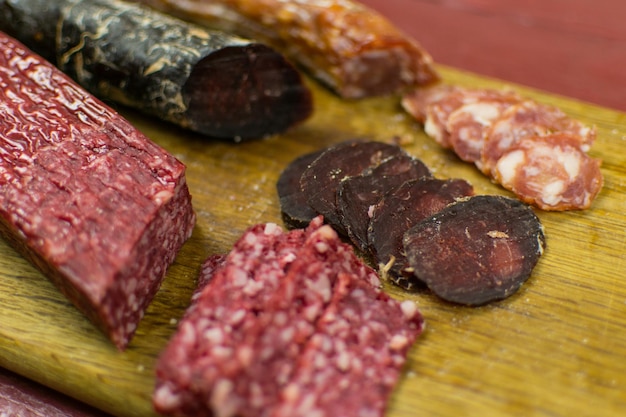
point(320, 181)
point(294, 206)
point(357, 195)
point(550, 172)
point(208, 350)
point(349, 47)
point(88, 198)
point(207, 81)
point(20, 397)
point(353, 361)
point(398, 211)
point(477, 250)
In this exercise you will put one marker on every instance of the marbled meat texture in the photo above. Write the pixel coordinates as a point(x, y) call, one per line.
point(351, 364)
point(477, 250)
point(500, 132)
point(94, 203)
point(210, 82)
point(242, 340)
point(351, 48)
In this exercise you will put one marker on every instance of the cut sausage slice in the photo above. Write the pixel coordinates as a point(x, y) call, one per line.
point(438, 113)
point(399, 210)
point(211, 341)
point(530, 118)
point(320, 181)
point(477, 250)
point(550, 172)
point(467, 125)
point(357, 195)
point(351, 364)
point(294, 207)
point(416, 101)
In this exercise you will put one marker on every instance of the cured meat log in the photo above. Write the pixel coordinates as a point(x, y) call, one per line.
point(501, 132)
point(90, 200)
point(246, 336)
point(476, 250)
point(207, 81)
point(22, 397)
point(349, 47)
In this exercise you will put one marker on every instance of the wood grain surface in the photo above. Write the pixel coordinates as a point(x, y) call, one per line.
point(556, 348)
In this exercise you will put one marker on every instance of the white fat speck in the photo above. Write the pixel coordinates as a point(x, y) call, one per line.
point(239, 278)
point(272, 229)
point(508, 164)
point(409, 309)
point(343, 361)
point(245, 355)
point(166, 399)
point(321, 247)
point(551, 192)
point(321, 286)
point(398, 342)
point(571, 163)
point(237, 317)
point(213, 335)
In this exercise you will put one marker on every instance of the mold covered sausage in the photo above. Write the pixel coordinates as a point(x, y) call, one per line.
point(206, 81)
point(349, 47)
point(88, 198)
point(476, 250)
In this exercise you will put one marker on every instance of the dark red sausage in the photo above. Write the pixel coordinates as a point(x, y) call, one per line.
point(357, 195)
point(477, 250)
point(89, 199)
point(398, 211)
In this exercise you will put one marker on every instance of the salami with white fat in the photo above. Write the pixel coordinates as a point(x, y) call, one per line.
point(482, 126)
point(550, 171)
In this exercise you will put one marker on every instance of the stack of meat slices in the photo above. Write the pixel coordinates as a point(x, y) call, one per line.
point(278, 321)
point(532, 149)
point(384, 201)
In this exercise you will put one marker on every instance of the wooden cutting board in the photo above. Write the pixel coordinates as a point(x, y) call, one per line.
point(556, 348)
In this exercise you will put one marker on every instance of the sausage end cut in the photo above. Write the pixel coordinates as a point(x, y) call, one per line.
point(91, 201)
